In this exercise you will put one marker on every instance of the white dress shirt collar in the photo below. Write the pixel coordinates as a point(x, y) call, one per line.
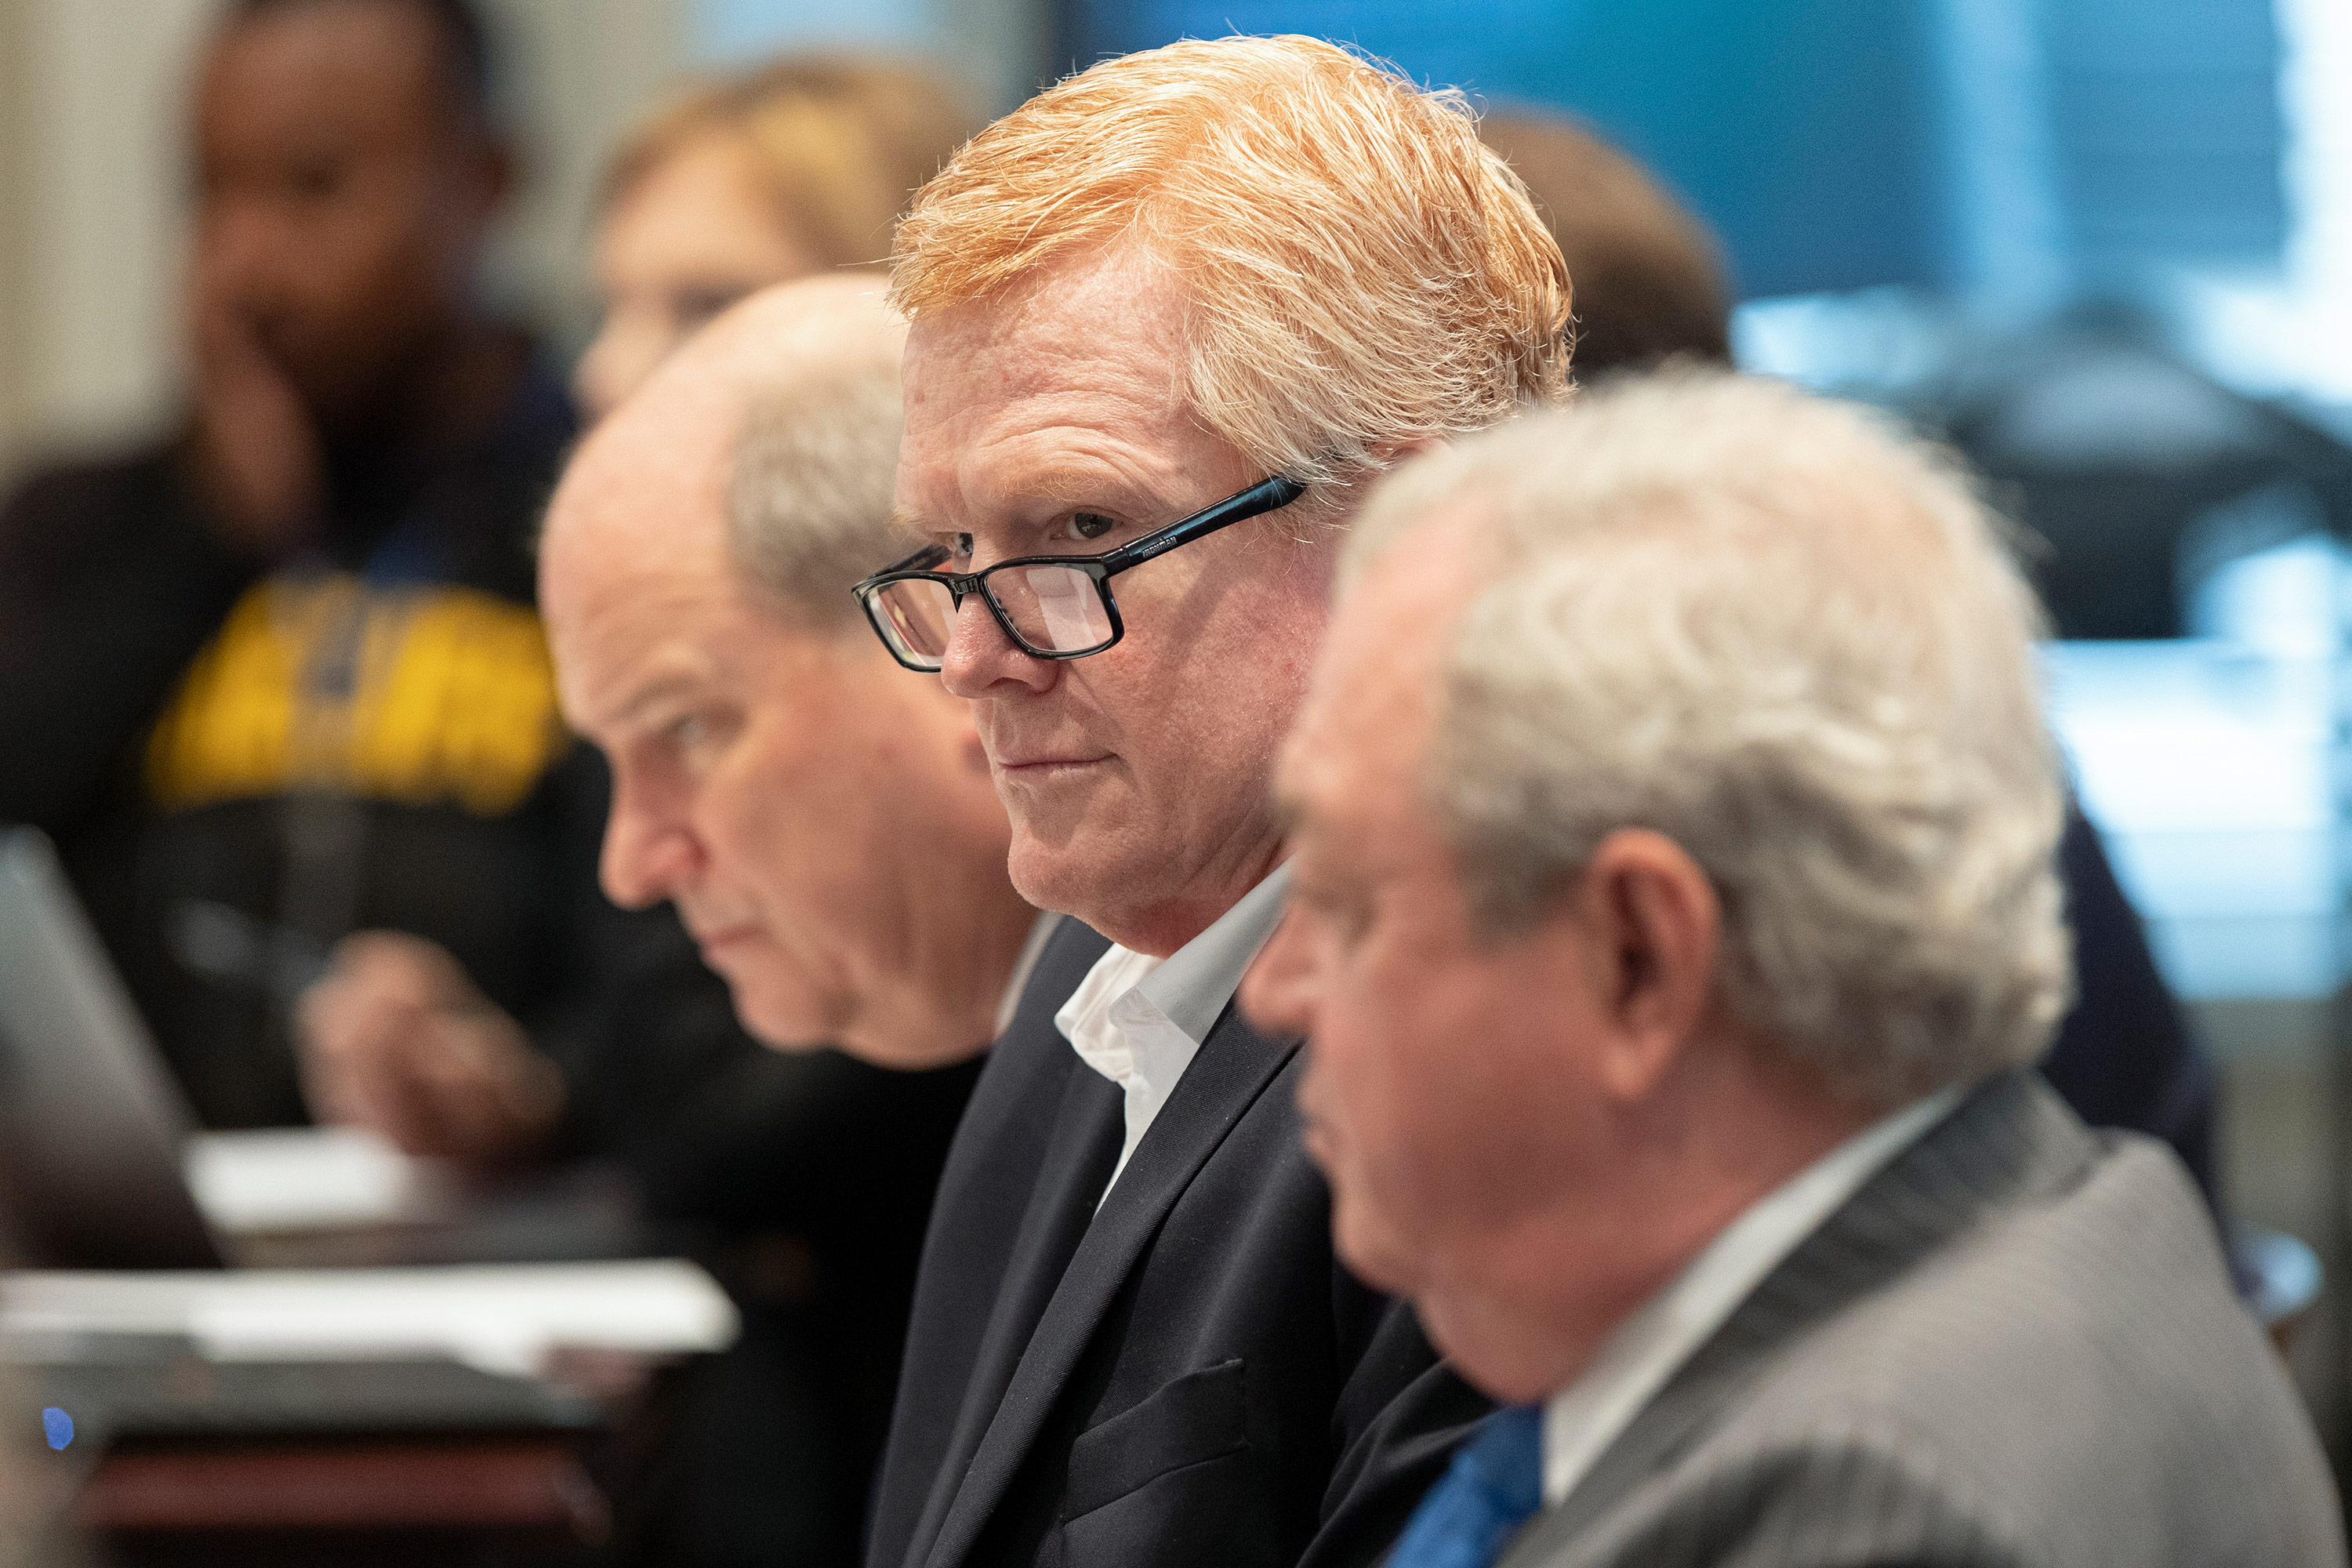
point(1139, 1020)
point(1581, 1420)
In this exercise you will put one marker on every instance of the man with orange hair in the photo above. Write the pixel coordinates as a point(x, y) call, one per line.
point(1169, 319)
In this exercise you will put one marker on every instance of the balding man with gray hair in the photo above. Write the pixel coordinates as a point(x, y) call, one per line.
point(823, 822)
point(1675, 925)
point(825, 827)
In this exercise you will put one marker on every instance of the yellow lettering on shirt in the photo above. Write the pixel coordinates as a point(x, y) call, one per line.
point(423, 696)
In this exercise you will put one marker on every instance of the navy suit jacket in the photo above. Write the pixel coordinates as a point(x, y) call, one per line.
point(2125, 1056)
point(1187, 1378)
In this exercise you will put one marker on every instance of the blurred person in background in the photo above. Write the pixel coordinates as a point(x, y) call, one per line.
point(826, 829)
point(281, 678)
point(797, 167)
point(1649, 277)
point(1650, 287)
point(1676, 928)
point(825, 826)
point(790, 168)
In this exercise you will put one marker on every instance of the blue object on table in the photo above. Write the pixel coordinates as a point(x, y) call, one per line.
point(58, 1426)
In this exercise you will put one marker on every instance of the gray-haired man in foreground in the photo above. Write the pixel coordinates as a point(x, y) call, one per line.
point(1674, 917)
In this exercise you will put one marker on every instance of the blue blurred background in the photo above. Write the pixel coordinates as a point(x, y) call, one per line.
point(1847, 144)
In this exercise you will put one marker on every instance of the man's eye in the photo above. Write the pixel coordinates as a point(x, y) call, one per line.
point(1345, 915)
point(694, 308)
point(1089, 525)
point(960, 546)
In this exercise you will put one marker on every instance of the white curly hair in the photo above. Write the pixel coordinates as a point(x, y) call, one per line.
point(1793, 640)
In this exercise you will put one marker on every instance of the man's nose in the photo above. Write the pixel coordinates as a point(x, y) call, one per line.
point(979, 655)
point(648, 855)
point(1278, 993)
point(238, 244)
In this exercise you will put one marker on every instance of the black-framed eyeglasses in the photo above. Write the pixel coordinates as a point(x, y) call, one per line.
point(1052, 606)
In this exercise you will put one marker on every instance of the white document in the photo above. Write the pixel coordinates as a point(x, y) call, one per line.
point(505, 1317)
point(309, 1178)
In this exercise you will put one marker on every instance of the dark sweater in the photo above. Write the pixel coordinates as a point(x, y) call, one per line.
point(364, 737)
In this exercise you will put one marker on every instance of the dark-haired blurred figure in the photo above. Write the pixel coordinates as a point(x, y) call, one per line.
point(1649, 277)
point(279, 689)
point(280, 678)
point(796, 167)
point(1651, 287)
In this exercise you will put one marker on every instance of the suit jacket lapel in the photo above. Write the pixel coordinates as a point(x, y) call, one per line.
point(2008, 1135)
point(1087, 1131)
point(1232, 1068)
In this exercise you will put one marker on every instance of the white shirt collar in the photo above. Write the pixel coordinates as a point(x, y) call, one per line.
point(1581, 1420)
point(1139, 1020)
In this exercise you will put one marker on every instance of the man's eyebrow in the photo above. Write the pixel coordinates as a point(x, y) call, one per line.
point(663, 687)
point(1050, 489)
point(1062, 486)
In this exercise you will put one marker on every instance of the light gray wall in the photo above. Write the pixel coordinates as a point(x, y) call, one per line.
point(15, 320)
point(90, 219)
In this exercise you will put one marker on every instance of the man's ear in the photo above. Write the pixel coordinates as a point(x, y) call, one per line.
point(1652, 925)
point(1391, 453)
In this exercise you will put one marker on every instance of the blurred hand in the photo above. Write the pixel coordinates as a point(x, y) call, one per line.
point(396, 1039)
point(254, 447)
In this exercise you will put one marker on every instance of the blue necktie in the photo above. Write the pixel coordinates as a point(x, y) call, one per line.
point(1494, 1486)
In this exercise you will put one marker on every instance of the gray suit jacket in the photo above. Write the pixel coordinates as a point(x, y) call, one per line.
point(2015, 1345)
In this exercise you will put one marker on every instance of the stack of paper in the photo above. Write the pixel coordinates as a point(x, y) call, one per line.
point(505, 1317)
point(309, 1178)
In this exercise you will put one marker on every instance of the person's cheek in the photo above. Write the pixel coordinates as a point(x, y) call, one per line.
point(745, 817)
point(1350, 1088)
point(1389, 1098)
point(1361, 1158)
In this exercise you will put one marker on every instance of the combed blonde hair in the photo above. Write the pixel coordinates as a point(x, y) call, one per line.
point(1361, 271)
point(1790, 640)
point(842, 143)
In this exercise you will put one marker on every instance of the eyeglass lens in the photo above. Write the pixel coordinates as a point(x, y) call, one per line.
point(1056, 609)
point(1053, 607)
point(921, 614)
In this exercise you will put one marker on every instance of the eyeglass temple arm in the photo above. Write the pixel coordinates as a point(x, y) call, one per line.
point(1272, 495)
point(922, 560)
